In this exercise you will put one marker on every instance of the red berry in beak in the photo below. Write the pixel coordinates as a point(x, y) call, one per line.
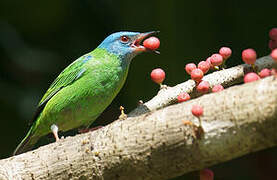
point(151, 43)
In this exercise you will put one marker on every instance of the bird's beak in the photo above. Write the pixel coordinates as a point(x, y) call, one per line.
point(138, 40)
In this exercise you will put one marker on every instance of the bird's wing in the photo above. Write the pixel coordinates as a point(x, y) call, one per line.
point(66, 77)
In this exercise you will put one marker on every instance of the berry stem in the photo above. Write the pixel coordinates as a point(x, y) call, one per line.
point(254, 68)
point(200, 122)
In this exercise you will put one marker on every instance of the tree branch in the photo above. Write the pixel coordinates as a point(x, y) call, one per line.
point(158, 144)
point(227, 78)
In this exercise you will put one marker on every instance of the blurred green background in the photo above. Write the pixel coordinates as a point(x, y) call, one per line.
point(40, 38)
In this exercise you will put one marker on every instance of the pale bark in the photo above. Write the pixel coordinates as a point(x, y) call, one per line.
point(227, 78)
point(158, 144)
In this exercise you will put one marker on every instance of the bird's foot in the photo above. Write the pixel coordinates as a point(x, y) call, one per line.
point(81, 131)
point(55, 129)
point(122, 115)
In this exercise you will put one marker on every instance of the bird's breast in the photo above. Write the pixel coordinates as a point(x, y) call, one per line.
point(104, 83)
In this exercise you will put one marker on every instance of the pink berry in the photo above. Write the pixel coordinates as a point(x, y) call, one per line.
point(217, 88)
point(158, 75)
point(272, 44)
point(225, 52)
point(274, 71)
point(206, 174)
point(274, 54)
point(249, 77)
point(197, 110)
point(203, 87)
point(265, 72)
point(249, 56)
point(151, 43)
point(183, 97)
point(197, 74)
point(208, 60)
point(216, 59)
point(189, 67)
point(204, 66)
point(273, 34)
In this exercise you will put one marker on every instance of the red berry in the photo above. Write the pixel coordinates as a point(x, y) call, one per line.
point(197, 110)
point(272, 44)
point(204, 66)
point(225, 52)
point(158, 75)
point(203, 87)
point(274, 71)
point(151, 43)
point(273, 34)
point(183, 97)
point(274, 54)
point(249, 77)
point(217, 88)
point(189, 67)
point(206, 174)
point(249, 56)
point(197, 74)
point(216, 59)
point(265, 72)
point(208, 60)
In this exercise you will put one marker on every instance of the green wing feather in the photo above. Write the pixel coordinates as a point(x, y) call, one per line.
point(70, 74)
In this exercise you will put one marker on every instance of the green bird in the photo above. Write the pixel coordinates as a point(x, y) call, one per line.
point(85, 88)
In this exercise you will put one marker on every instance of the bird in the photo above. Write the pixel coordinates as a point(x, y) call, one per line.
point(84, 89)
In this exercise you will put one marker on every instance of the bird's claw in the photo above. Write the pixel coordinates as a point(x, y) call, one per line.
point(55, 129)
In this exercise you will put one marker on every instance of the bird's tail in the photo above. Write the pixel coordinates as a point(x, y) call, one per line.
point(27, 143)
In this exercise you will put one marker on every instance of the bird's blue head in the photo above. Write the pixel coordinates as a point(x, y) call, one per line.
point(125, 44)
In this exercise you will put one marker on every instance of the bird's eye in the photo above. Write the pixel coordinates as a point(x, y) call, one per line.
point(124, 39)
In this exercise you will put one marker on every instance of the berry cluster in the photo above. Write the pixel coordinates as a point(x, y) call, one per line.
point(215, 62)
point(249, 56)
